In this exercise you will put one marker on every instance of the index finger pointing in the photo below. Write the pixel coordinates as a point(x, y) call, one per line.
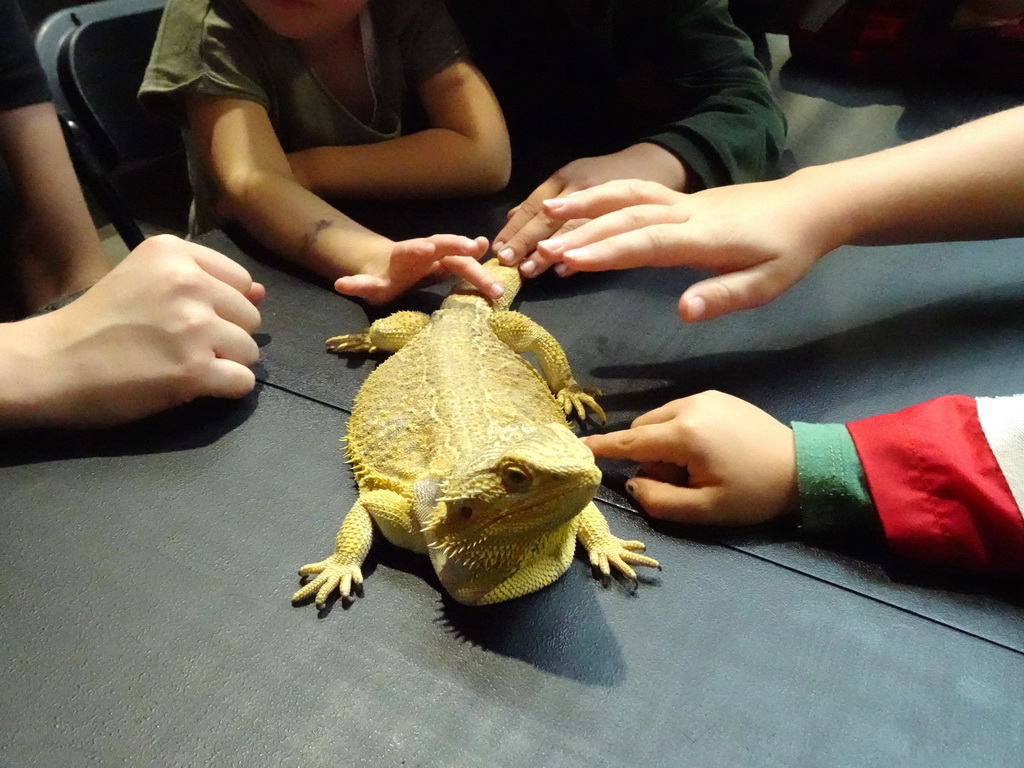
point(640, 444)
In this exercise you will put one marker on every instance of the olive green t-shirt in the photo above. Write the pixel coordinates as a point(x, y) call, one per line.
point(218, 47)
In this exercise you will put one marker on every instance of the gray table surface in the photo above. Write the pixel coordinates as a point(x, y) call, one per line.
point(145, 572)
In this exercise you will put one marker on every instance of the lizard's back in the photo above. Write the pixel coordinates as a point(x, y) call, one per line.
point(453, 390)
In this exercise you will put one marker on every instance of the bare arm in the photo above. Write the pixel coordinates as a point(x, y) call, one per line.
point(246, 162)
point(57, 249)
point(464, 152)
point(761, 238)
point(243, 156)
point(966, 183)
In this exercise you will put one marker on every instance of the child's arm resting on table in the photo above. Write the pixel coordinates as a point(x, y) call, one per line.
point(242, 155)
point(465, 151)
point(939, 482)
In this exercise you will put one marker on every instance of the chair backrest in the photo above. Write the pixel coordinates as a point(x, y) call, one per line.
point(94, 56)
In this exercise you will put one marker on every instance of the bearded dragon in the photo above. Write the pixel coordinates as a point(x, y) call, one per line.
point(462, 451)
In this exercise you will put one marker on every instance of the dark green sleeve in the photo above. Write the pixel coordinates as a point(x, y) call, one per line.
point(732, 129)
point(835, 503)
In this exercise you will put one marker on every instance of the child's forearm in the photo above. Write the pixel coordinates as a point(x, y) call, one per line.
point(301, 227)
point(435, 162)
point(465, 151)
point(966, 183)
point(58, 249)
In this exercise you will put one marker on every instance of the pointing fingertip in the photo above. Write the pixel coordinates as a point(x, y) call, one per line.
point(506, 256)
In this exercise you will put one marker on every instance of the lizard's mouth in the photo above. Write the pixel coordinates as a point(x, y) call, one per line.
point(545, 511)
point(545, 505)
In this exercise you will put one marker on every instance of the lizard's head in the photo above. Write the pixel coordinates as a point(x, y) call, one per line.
point(512, 505)
point(508, 277)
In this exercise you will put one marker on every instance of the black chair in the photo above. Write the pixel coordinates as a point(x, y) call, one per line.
point(95, 56)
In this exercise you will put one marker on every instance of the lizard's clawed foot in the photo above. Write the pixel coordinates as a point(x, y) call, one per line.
point(332, 574)
point(351, 342)
point(613, 551)
point(575, 400)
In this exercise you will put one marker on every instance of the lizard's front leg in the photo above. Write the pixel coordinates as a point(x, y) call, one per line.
point(606, 549)
point(389, 334)
point(342, 570)
point(524, 335)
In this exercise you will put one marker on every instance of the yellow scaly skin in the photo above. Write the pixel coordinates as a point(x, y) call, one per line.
point(461, 451)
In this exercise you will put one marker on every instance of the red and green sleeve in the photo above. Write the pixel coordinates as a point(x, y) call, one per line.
point(942, 482)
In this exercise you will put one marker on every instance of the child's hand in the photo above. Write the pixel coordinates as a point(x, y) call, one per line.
point(759, 238)
point(529, 222)
point(170, 323)
point(707, 459)
point(425, 258)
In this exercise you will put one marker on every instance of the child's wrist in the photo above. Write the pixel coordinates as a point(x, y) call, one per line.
point(333, 250)
point(825, 218)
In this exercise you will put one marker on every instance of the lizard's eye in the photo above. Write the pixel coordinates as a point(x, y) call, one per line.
point(514, 477)
point(465, 511)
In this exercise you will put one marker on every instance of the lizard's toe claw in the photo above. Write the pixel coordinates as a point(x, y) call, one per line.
point(593, 405)
point(622, 567)
point(350, 342)
point(575, 402)
point(612, 552)
point(635, 559)
point(599, 561)
point(330, 583)
point(633, 545)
